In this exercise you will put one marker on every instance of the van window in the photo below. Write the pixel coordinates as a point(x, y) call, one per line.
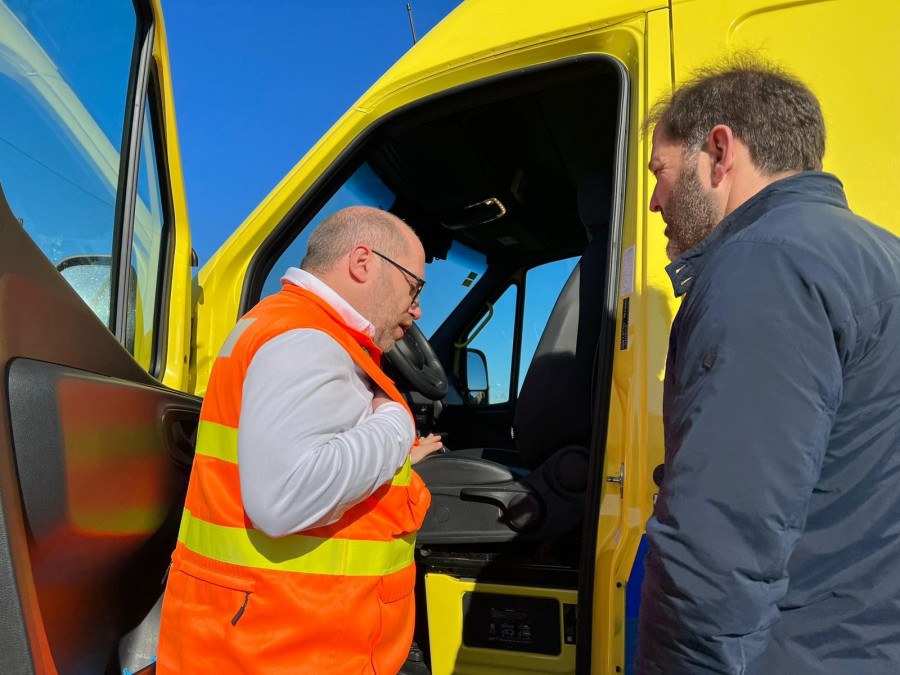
point(494, 335)
point(496, 338)
point(542, 287)
point(64, 82)
point(448, 282)
point(448, 279)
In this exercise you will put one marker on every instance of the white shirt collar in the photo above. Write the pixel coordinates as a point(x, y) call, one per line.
point(313, 284)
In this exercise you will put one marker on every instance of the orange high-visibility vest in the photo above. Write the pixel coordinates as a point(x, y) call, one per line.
point(332, 599)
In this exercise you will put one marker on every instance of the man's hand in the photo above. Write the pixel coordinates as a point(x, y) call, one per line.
point(426, 446)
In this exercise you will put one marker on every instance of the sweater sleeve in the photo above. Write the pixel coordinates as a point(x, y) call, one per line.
point(752, 386)
point(309, 445)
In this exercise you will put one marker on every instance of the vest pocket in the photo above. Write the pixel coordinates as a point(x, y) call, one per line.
point(397, 585)
point(418, 499)
point(233, 602)
point(397, 609)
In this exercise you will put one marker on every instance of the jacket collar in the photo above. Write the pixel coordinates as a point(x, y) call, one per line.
point(313, 284)
point(363, 339)
point(820, 186)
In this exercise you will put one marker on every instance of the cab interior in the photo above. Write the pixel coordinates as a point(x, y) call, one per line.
point(514, 186)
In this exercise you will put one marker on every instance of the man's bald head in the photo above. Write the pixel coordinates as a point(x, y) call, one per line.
point(341, 232)
point(360, 253)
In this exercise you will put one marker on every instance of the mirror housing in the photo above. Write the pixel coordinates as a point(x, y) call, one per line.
point(90, 276)
point(475, 378)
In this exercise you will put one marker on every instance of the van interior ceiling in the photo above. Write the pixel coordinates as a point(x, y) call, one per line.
point(498, 166)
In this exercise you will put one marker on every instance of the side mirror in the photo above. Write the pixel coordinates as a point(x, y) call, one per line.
point(90, 276)
point(476, 378)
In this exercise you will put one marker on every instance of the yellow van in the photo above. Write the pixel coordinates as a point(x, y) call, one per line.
point(509, 138)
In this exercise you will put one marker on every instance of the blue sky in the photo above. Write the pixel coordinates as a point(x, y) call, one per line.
point(258, 83)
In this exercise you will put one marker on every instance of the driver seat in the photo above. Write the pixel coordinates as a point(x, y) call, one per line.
point(538, 490)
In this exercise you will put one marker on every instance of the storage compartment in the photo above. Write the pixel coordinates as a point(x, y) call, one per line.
point(486, 627)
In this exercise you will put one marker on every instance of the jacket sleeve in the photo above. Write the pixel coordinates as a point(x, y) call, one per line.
point(752, 385)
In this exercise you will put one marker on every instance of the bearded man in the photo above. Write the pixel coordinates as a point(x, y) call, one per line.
point(775, 545)
point(295, 553)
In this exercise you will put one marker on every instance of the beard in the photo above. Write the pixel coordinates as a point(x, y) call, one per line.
point(383, 318)
point(691, 213)
point(384, 338)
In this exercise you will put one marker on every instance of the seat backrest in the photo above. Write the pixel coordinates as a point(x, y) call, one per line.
point(555, 403)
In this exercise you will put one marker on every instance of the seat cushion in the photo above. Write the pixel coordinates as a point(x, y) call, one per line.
point(507, 458)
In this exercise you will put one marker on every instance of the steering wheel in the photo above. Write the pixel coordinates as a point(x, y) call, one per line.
point(414, 358)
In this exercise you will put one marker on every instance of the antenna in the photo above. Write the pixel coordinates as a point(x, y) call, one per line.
point(412, 25)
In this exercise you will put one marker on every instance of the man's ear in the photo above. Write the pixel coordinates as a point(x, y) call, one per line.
point(360, 264)
point(720, 145)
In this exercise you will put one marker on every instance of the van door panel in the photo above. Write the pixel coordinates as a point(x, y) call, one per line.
point(94, 456)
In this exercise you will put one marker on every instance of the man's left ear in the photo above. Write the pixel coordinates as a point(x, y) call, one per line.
point(358, 267)
point(720, 145)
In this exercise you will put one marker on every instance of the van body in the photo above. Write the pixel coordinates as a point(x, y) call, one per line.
point(510, 138)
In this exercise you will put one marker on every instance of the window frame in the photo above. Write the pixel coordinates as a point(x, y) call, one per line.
point(143, 93)
point(166, 262)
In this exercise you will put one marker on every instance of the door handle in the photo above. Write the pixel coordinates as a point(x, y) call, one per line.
point(180, 431)
point(620, 479)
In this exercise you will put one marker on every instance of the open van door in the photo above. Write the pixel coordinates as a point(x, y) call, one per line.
point(510, 141)
point(95, 440)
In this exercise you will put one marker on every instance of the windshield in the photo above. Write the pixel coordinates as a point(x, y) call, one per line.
point(448, 281)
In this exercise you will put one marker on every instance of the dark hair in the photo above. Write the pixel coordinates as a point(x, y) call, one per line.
point(772, 112)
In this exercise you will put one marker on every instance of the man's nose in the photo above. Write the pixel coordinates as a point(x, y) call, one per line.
point(655, 206)
point(415, 311)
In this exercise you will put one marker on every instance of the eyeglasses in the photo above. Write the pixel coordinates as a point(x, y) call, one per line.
point(420, 282)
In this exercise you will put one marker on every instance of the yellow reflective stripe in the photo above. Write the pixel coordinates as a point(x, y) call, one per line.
point(220, 442)
point(403, 475)
point(217, 441)
point(295, 552)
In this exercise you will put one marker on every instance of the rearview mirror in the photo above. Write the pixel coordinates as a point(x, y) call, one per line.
point(475, 378)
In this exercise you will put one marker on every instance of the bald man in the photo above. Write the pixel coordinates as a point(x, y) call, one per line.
point(296, 544)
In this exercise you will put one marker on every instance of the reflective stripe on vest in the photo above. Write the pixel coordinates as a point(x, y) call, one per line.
point(295, 552)
point(221, 442)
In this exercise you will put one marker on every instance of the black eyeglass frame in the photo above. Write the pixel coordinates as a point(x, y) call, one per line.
point(420, 282)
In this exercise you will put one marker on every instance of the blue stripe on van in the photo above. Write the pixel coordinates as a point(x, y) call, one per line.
point(633, 605)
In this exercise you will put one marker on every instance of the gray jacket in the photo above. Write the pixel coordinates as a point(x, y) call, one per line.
point(775, 542)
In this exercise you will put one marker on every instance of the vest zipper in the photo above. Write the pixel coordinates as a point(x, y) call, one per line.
point(240, 612)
